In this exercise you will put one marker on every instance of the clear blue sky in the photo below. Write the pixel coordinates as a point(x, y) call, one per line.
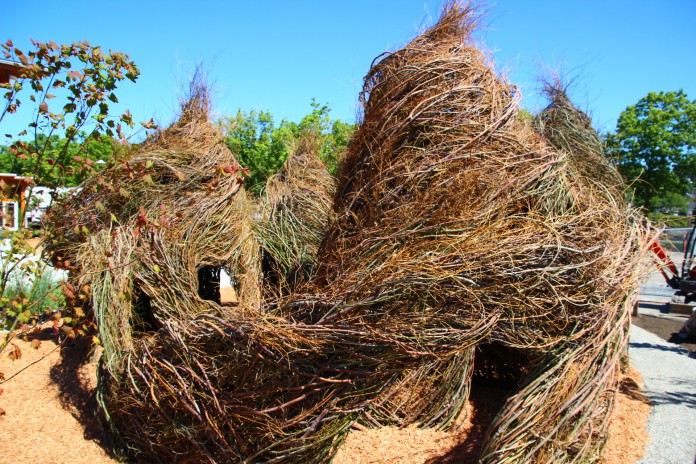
point(278, 55)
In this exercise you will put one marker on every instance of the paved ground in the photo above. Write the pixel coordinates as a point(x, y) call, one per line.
point(669, 375)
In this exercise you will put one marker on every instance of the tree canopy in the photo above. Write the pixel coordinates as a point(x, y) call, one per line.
point(654, 147)
point(57, 169)
point(262, 146)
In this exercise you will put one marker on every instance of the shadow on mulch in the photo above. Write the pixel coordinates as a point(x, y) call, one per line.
point(630, 388)
point(77, 395)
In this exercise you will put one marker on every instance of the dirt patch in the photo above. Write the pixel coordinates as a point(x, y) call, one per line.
point(412, 445)
point(626, 444)
point(665, 328)
point(49, 407)
point(228, 296)
point(34, 244)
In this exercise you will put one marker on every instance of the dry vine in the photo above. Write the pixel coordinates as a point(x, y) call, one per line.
point(456, 230)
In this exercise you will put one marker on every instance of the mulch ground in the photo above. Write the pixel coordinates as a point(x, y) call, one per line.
point(48, 405)
point(49, 400)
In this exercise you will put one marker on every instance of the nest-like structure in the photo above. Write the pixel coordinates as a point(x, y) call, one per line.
point(147, 238)
point(570, 130)
point(459, 242)
point(294, 216)
point(459, 225)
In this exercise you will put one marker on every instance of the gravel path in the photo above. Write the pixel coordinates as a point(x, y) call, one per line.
point(669, 375)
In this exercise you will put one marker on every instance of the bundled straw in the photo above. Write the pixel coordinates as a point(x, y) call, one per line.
point(570, 130)
point(456, 231)
point(145, 233)
point(295, 213)
point(457, 224)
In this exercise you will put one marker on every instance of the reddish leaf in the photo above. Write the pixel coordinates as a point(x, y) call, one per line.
point(43, 107)
point(15, 353)
point(68, 290)
point(57, 324)
point(149, 125)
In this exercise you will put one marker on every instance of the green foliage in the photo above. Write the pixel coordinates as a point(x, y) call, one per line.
point(32, 291)
point(670, 220)
point(672, 202)
point(654, 147)
point(71, 89)
point(257, 143)
point(83, 156)
point(524, 115)
point(87, 78)
point(262, 146)
point(335, 144)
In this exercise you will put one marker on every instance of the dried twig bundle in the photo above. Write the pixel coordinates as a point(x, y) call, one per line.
point(456, 229)
point(570, 130)
point(295, 214)
point(148, 234)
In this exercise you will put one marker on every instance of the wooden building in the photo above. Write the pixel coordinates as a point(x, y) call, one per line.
point(13, 197)
point(12, 187)
point(8, 69)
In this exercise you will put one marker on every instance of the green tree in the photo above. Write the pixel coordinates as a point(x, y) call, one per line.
point(83, 155)
point(654, 147)
point(672, 202)
point(257, 143)
point(335, 144)
point(72, 88)
point(262, 146)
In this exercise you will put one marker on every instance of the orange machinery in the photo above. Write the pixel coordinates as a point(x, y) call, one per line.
point(684, 281)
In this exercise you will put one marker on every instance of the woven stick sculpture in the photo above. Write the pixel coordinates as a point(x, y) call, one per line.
point(144, 234)
point(456, 231)
point(294, 212)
